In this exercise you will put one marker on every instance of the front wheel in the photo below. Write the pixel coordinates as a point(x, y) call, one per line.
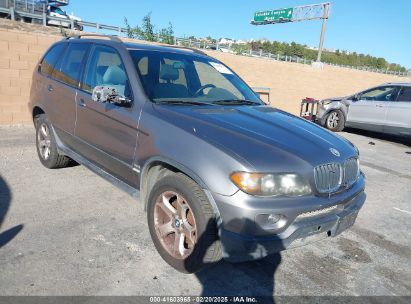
point(335, 121)
point(182, 224)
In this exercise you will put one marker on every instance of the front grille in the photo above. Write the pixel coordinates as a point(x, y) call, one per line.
point(328, 177)
point(331, 177)
point(351, 171)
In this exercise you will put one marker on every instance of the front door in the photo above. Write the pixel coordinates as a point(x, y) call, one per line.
point(107, 133)
point(370, 110)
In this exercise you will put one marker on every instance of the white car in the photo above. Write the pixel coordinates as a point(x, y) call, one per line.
point(385, 108)
point(57, 12)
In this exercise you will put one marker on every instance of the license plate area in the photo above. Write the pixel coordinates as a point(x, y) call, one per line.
point(346, 222)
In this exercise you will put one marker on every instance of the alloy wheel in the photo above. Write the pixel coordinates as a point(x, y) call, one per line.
point(333, 120)
point(175, 224)
point(44, 141)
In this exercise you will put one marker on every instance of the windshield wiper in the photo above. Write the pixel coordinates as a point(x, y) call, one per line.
point(236, 101)
point(182, 102)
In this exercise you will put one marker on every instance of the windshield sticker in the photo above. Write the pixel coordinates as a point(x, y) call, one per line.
point(221, 68)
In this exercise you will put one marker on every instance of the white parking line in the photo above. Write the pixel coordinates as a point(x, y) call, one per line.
point(405, 211)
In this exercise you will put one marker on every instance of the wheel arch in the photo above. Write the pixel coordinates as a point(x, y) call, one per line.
point(36, 112)
point(339, 107)
point(158, 167)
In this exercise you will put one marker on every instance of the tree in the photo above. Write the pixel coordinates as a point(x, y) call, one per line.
point(148, 32)
point(166, 35)
point(147, 29)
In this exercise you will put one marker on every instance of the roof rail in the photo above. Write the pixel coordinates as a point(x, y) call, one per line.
point(197, 51)
point(111, 37)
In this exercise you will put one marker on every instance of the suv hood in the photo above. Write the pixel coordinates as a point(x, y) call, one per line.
point(263, 137)
point(342, 99)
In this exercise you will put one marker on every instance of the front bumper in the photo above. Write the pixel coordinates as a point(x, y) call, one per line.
point(243, 239)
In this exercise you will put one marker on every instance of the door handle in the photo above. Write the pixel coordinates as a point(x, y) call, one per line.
point(82, 103)
point(50, 88)
point(379, 106)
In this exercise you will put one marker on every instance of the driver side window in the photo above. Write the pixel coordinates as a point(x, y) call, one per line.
point(386, 93)
point(106, 68)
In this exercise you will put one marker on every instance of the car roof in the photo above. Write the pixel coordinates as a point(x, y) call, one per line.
point(163, 48)
point(404, 84)
point(114, 40)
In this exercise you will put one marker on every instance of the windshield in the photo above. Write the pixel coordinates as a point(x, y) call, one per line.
point(57, 10)
point(179, 78)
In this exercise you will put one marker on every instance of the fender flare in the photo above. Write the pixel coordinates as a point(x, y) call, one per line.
point(183, 169)
point(324, 117)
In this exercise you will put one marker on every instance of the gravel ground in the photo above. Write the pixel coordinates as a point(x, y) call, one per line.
point(69, 232)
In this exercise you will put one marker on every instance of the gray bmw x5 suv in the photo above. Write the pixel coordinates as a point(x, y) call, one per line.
point(219, 173)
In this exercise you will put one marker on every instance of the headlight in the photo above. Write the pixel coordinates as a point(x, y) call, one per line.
point(326, 102)
point(356, 149)
point(264, 184)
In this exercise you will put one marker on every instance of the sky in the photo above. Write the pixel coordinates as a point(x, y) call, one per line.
point(381, 28)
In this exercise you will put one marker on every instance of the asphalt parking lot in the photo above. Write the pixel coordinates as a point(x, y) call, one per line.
point(69, 232)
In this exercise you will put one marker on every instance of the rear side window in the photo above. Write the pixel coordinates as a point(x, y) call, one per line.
point(69, 71)
point(51, 59)
point(405, 94)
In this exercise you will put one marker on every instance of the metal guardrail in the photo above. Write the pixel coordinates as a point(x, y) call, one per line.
point(229, 49)
point(37, 13)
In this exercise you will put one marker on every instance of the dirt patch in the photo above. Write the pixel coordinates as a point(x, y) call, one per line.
point(326, 271)
point(352, 251)
point(396, 278)
point(380, 241)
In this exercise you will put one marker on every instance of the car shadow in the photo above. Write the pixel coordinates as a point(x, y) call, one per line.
point(255, 278)
point(5, 200)
point(380, 136)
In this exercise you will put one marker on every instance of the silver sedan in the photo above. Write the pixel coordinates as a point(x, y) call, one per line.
point(385, 108)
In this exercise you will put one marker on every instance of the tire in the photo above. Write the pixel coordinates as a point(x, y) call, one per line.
point(196, 218)
point(335, 121)
point(46, 145)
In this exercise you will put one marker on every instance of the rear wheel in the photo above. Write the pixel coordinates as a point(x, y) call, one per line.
point(46, 145)
point(182, 224)
point(335, 121)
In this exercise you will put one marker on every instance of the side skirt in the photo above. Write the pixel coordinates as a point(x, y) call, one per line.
point(99, 171)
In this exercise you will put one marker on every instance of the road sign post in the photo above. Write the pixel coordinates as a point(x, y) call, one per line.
point(323, 26)
point(295, 14)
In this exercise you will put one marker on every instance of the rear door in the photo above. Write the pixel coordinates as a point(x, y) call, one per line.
point(370, 110)
point(398, 120)
point(107, 133)
point(42, 81)
point(63, 87)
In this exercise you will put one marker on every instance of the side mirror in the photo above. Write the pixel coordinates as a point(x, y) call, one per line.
point(355, 97)
point(107, 94)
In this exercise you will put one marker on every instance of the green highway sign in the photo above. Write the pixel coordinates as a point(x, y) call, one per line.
point(273, 16)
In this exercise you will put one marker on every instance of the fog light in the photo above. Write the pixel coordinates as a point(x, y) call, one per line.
point(271, 221)
point(273, 218)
